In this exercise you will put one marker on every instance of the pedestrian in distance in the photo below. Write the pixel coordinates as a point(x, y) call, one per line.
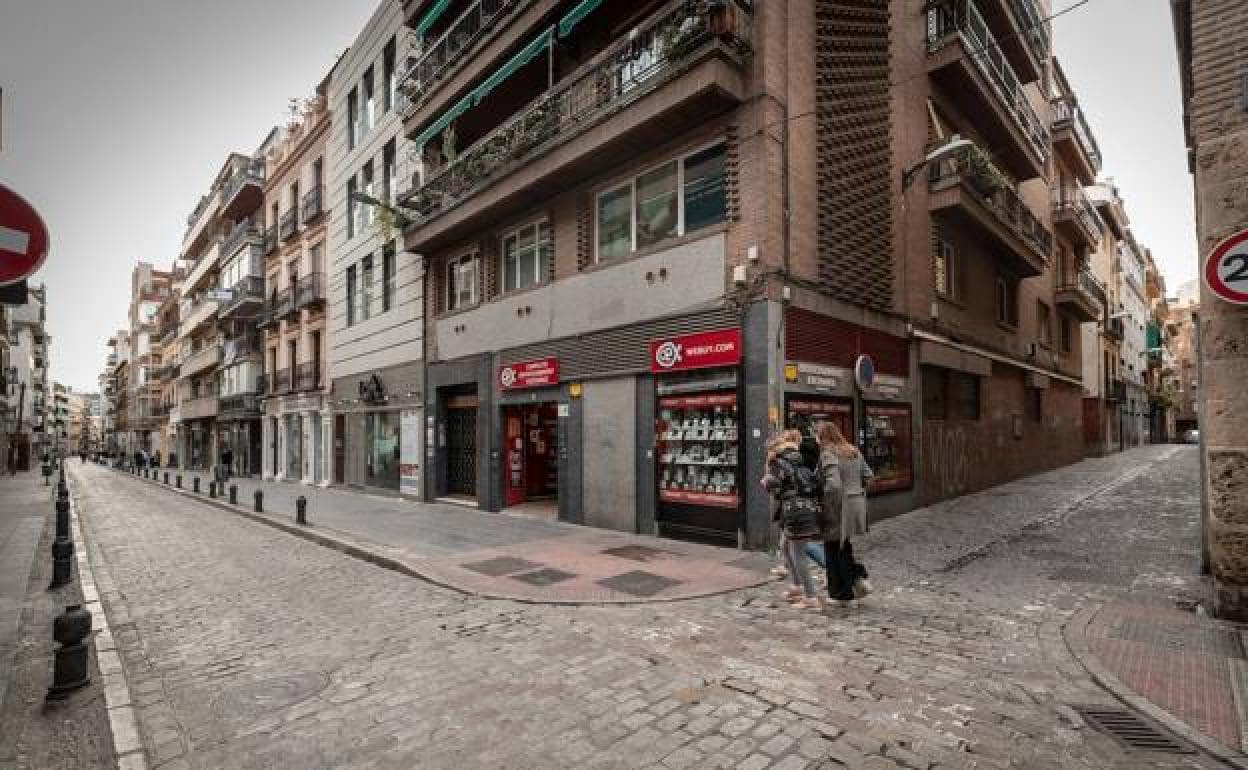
point(798, 490)
point(845, 475)
point(227, 463)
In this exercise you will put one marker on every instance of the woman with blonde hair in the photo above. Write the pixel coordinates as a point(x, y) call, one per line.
point(845, 476)
point(796, 487)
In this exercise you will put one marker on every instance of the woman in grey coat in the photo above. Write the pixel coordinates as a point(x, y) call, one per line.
point(845, 476)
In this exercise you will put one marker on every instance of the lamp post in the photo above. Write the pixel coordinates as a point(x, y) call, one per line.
point(400, 219)
point(938, 154)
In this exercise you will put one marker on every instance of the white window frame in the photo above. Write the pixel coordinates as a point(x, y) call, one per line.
point(453, 267)
point(631, 184)
point(539, 276)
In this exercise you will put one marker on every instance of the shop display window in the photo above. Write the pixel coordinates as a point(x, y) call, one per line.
point(697, 450)
point(886, 445)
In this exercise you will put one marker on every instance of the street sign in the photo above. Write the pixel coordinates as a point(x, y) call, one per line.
point(23, 238)
point(696, 351)
point(1226, 269)
point(864, 372)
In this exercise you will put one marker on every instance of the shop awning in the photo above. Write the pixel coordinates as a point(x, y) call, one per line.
point(574, 16)
point(526, 55)
point(437, 126)
point(432, 15)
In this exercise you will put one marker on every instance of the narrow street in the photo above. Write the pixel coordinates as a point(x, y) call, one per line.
point(247, 647)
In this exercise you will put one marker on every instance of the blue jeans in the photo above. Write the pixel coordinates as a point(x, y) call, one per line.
point(814, 552)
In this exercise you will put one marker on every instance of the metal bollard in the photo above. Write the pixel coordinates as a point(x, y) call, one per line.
point(179, 480)
point(166, 477)
point(197, 485)
point(301, 510)
point(69, 671)
point(259, 501)
point(233, 494)
point(62, 546)
point(212, 489)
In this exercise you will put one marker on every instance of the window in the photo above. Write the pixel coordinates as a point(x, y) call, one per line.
point(1033, 404)
point(388, 178)
point(674, 199)
point(366, 117)
point(366, 287)
point(526, 256)
point(1044, 324)
point(351, 289)
point(949, 394)
point(963, 396)
point(351, 190)
point(294, 198)
point(944, 270)
point(387, 276)
point(353, 112)
point(461, 282)
point(318, 173)
point(1067, 331)
point(387, 68)
point(366, 184)
point(935, 406)
point(1007, 300)
point(316, 258)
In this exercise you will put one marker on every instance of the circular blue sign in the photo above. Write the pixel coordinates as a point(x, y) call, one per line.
point(864, 372)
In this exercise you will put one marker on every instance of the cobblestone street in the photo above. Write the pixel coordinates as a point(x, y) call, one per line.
point(247, 647)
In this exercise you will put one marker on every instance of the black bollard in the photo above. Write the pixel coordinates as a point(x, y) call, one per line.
point(259, 501)
point(69, 671)
point(301, 510)
point(166, 477)
point(62, 546)
point(233, 494)
point(179, 480)
point(196, 485)
point(212, 489)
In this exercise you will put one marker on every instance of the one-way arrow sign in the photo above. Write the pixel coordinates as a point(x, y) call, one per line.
point(23, 238)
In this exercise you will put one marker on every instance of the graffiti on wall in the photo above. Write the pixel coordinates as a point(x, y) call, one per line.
point(952, 459)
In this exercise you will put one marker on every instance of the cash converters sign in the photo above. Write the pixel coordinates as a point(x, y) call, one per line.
point(529, 374)
point(696, 351)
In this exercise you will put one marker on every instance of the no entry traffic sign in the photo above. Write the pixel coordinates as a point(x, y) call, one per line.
point(23, 238)
point(1226, 269)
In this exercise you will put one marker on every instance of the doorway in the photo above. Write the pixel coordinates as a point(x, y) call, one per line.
point(531, 463)
point(340, 449)
point(461, 445)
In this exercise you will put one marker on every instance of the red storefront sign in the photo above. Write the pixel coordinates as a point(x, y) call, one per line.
point(698, 402)
point(529, 374)
point(696, 351)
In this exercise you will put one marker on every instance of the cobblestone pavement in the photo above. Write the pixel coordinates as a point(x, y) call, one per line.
point(246, 647)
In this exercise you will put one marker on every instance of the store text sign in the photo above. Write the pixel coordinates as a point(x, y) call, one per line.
point(529, 374)
point(696, 351)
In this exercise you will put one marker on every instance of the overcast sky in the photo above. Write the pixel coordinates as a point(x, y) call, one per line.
point(118, 113)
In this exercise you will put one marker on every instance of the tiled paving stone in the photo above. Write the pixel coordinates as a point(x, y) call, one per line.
point(543, 577)
point(1222, 642)
point(639, 583)
point(501, 565)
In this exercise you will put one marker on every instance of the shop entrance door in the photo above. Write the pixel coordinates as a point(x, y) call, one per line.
point(340, 449)
point(461, 446)
point(531, 467)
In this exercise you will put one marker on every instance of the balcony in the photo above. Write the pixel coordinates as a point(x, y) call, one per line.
point(669, 76)
point(1082, 295)
point(282, 305)
point(168, 334)
point(969, 189)
point(197, 362)
point(281, 382)
point(246, 232)
point(198, 408)
point(197, 224)
point(1075, 217)
point(966, 61)
point(1115, 389)
point(441, 56)
point(201, 312)
point(310, 206)
point(289, 224)
point(1072, 139)
point(307, 376)
point(203, 267)
point(246, 300)
point(310, 291)
point(241, 405)
point(270, 240)
point(1114, 328)
point(244, 190)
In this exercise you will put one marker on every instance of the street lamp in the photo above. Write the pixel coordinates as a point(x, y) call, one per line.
point(954, 144)
point(400, 218)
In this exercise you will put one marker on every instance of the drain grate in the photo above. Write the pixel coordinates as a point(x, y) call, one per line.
point(1131, 731)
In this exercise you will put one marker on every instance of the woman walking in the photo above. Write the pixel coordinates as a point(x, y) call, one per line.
point(845, 475)
point(796, 487)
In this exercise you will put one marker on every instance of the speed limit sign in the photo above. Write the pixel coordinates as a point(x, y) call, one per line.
point(1226, 269)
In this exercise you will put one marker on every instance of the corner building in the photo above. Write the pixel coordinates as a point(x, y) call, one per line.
point(376, 305)
point(655, 232)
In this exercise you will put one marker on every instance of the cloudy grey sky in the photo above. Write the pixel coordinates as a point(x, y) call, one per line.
point(119, 112)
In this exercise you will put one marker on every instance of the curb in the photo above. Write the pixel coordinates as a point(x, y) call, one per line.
point(1074, 632)
point(122, 720)
point(367, 554)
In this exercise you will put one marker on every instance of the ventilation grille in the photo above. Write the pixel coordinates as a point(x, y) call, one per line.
point(1131, 731)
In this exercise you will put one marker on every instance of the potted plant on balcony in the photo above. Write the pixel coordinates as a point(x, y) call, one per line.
point(684, 30)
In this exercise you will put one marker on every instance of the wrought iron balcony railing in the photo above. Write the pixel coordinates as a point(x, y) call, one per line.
point(238, 235)
point(249, 290)
point(1066, 114)
point(307, 376)
point(310, 290)
point(1075, 201)
point(289, 224)
point(252, 173)
point(657, 49)
point(283, 304)
point(240, 403)
point(270, 240)
point(950, 20)
point(1035, 29)
point(282, 381)
point(311, 204)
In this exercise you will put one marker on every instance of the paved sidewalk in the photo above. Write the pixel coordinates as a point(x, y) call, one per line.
point(495, 555)
point(22, 514)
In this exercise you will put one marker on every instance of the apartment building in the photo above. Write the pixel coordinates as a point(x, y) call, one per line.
point(1102, 339)
point(26, 398)
point(1135, 312)
point(148, 289)
point(1159, 371)
point(58, 418)
point(376, 313)
point(296, 426)
point(119, 372)
point(218, 415)
point(1184, 381)
point(164, 441)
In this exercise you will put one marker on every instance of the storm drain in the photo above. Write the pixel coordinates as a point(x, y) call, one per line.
point(1131, 731)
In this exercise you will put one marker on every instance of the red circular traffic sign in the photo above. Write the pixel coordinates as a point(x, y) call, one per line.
point(23, 238)
point(1226, 269)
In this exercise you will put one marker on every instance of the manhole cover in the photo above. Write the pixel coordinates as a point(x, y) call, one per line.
point(500, 565)
point(637, 552)
point(638, 583)
point(1131, 731)
point(544, 577)
point(249, 701)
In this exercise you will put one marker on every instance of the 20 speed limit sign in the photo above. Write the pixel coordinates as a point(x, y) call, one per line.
point(1226, 269)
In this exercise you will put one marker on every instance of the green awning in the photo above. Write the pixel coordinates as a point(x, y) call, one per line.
point(574, 16)
point(435, 11)
point(442, 122)
point(526, 55)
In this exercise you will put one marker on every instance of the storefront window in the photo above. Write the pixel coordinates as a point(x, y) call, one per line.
point(697, 450)
point(382, 437)
point(886, 446)
point(461, 282)
point(294, 446)
point(657, 211)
